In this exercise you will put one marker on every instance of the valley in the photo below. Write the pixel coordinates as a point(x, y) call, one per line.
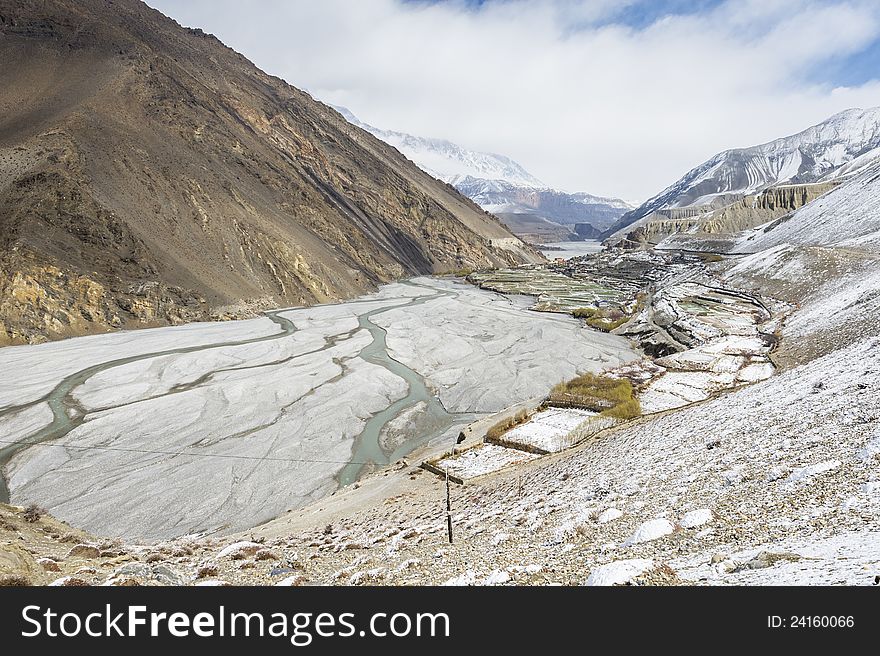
point(261, 416)
point(249, 339)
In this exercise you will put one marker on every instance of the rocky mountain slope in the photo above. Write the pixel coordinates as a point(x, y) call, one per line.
point(841, 145)
point(149, 175)
point(502, 186)
point(710, 229)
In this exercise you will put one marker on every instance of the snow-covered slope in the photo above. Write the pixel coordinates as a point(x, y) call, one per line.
point(847, 216)
point(497, 183)
point(844, 144)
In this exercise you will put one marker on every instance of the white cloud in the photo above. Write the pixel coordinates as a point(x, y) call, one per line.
point(581, 102)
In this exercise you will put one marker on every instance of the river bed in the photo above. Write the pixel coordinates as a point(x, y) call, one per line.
point(154, 434)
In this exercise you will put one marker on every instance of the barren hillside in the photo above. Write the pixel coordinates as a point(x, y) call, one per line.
point(150, 175)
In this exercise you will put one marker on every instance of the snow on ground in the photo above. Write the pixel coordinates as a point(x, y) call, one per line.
point(837, 301)
point(720, 468)
point(620, 572)
point(828, 220)
point(482, 460)
point(548, 429)
point(18, 425)
point(847, 558)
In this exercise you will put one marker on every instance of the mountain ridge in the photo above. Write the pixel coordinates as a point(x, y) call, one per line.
point(502, 186)
point(151, 175)
point(840, 145)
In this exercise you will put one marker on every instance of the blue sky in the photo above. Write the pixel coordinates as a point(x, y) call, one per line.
point(614, 97)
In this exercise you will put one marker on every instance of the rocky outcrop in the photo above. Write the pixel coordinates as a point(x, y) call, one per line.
point(701, 223)
point(150, 175)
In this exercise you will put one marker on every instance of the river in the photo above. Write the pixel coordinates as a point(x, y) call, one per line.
point(224, 435)
point(569, 249)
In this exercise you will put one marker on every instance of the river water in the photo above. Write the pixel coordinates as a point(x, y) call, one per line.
point(569, 249)
point(67, 413)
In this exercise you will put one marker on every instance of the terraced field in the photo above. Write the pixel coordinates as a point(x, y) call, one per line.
point(554, 291)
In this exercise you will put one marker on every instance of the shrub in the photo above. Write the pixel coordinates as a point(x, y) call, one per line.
point(33, 513)
point(625, 410)
point(612, 397)
point(14, 581)
point(505, 425)
point(606, 325)
point(585, 312)
point(605, 320)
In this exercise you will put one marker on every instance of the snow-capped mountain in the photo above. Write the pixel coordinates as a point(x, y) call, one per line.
point(448, 161)
point(841, 145)
point(503, 187)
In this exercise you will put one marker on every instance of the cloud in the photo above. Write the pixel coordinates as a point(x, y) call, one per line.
point(616, 97)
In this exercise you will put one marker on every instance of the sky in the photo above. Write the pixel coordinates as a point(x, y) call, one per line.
point(612, 97)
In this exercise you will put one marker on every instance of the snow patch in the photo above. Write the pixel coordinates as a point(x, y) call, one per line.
point(650, 530)
point(620, 572)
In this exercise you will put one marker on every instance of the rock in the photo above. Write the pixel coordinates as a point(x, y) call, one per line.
point(166, 576)
point(295, 580)
point(609, 515)
point(88, 551)
point(240, 550)
point(124, 558)
point(619, 572)
point(696, 518)
point(650, 530)
point(18, 567)
point(121, 582)
point(498, 577)
point(726, 566)
point(767, 559)
point(161, 574)
point(49, 565)
point(717, 558)
point(467, 578)
point(213, 583)
point(69, 582)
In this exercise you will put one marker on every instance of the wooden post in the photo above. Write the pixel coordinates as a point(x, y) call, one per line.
point(448, 508)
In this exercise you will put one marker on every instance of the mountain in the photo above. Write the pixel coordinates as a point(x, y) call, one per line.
point(448, 161)
point(840, 146)
point(847, 217)
point(498, 184)
point(150, 175)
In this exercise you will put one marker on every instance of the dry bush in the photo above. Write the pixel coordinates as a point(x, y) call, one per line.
point(604, 319)
point(626, 410)
point(33, 513)
point(606, 325)
point(14, 581)
point(585, 312)
point(612, 397)
point(505, 425)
